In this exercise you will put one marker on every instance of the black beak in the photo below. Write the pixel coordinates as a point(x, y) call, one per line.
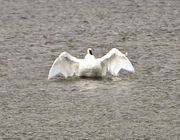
point(90, 52)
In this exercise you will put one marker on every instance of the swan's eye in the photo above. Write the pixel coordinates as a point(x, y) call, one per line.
point(90, 52)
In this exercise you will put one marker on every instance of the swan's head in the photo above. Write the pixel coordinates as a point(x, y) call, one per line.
point(89, 51)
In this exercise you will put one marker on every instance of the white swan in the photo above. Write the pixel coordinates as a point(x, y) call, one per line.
point(112, 62)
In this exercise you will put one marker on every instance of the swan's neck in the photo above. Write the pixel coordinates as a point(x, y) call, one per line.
point(89, 57)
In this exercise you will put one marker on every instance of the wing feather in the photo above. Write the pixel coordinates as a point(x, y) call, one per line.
point(115, 60)
point(65, 64)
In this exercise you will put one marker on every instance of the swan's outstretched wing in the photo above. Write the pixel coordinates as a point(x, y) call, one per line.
point(65, 64)
point(114, 61)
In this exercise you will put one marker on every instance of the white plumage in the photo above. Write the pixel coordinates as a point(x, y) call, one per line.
point(69, 66)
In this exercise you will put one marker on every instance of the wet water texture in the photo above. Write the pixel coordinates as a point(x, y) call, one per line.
point(141, 106)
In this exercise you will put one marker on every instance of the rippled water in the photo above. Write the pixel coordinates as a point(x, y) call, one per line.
point(144, 105)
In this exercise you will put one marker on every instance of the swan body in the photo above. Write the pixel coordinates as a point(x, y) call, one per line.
point(69, 66)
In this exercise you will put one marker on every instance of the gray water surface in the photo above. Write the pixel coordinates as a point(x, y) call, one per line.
point(141, 106)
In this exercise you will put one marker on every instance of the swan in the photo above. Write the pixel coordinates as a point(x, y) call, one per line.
point(69, 66)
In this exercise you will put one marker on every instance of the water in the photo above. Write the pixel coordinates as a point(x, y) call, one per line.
point(144, 105)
